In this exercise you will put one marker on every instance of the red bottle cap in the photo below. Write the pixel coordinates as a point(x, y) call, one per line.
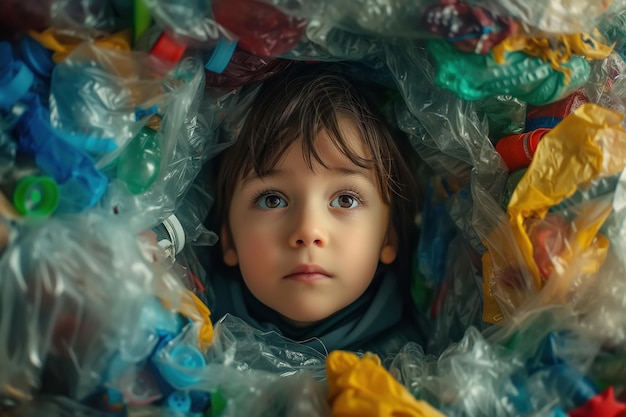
point(517, 150)
point(168, 49)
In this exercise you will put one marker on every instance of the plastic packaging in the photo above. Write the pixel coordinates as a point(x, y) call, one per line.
point(242, 347)
point(245, 68)
point(469, 29)
point(475, 377)
point(517, 150)
point(528, 78)
point(190, 22)
point(31, 195)
point(69, 287)
point(132, 86)
point(18, 16)
point(544, 246)
point(259, 27)
point(362, 387)
point(550, 17)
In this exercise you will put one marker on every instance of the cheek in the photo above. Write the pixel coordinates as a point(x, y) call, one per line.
point(253, 240)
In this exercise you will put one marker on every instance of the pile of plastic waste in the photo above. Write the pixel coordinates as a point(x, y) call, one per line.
point(111, 111)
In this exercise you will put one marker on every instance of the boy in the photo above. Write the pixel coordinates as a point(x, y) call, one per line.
point(315, 204)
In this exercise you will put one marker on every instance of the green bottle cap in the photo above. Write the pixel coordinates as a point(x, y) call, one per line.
point(36, 196)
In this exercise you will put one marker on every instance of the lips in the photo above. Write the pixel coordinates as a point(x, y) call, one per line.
point(308, 273)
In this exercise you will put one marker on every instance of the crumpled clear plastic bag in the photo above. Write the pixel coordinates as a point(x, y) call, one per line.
point(128, 88)
point(541, 367)
point(242, 347)
point(74, 293)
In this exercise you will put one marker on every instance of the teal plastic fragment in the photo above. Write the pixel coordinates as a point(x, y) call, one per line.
point(530, 79)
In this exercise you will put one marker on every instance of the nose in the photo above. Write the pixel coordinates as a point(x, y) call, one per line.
point(309, 228)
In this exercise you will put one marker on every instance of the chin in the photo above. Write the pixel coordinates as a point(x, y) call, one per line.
point(305, 319)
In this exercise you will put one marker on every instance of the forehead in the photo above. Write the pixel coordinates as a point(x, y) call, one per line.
point(341, 149)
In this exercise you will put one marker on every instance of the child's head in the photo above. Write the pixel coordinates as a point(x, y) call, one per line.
point(313, 195)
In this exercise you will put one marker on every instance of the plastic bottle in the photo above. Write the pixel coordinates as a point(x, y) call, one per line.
point(139, 164)
point(550, 115)
point(517, 150)
point(260, 28)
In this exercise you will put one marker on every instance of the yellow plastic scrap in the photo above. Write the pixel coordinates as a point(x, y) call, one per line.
point(362, 388)
point(64, 43)
point(587, 144)
point(557, 50)
point(194, 309)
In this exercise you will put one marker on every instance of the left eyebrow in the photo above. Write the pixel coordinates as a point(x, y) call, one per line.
point(352, 172)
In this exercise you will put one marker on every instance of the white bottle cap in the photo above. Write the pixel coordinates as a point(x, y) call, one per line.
point(176, 232)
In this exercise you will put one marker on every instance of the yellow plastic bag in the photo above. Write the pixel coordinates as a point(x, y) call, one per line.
point(362, 387)
point(588, 144)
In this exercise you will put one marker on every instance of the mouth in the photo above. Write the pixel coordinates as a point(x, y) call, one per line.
point(308, 273)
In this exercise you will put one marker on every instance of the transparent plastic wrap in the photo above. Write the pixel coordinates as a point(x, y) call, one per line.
point(325, 42)
point(94, 16)
point(407, 19)
point(250, 373)
point(123, 90)
point(600, 303)
point(555, 16)
point(259, 394)
point(477, 377)
point(607, 83)
point(240, 346)
point(142, 126)
point(193, 21)
point(449, 134)
point(75, 291)
point(245, 68)
point(458, 304)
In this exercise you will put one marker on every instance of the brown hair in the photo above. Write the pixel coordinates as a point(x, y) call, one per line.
point(300, 102)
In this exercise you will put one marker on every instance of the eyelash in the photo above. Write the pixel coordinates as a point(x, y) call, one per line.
point(264, 193)
point(349, 191)
point(354, 194)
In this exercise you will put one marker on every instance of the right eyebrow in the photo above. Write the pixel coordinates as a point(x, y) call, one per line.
point(253, 177)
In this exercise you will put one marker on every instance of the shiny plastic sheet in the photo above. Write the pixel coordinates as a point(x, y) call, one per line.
point(242, 347)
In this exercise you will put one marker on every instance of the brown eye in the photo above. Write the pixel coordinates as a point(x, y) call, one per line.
point(271, 201)
point(345, 201)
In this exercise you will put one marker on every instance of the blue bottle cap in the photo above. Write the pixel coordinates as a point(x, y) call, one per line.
point(36, 56)
point(179, 401)
point(15, 78)
point(221, 56)
point(181, 370)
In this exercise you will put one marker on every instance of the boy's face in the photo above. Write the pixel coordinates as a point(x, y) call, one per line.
point(308, 242)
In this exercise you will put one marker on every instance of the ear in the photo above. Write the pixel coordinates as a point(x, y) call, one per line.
point(389, 251)
point(228, 248)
